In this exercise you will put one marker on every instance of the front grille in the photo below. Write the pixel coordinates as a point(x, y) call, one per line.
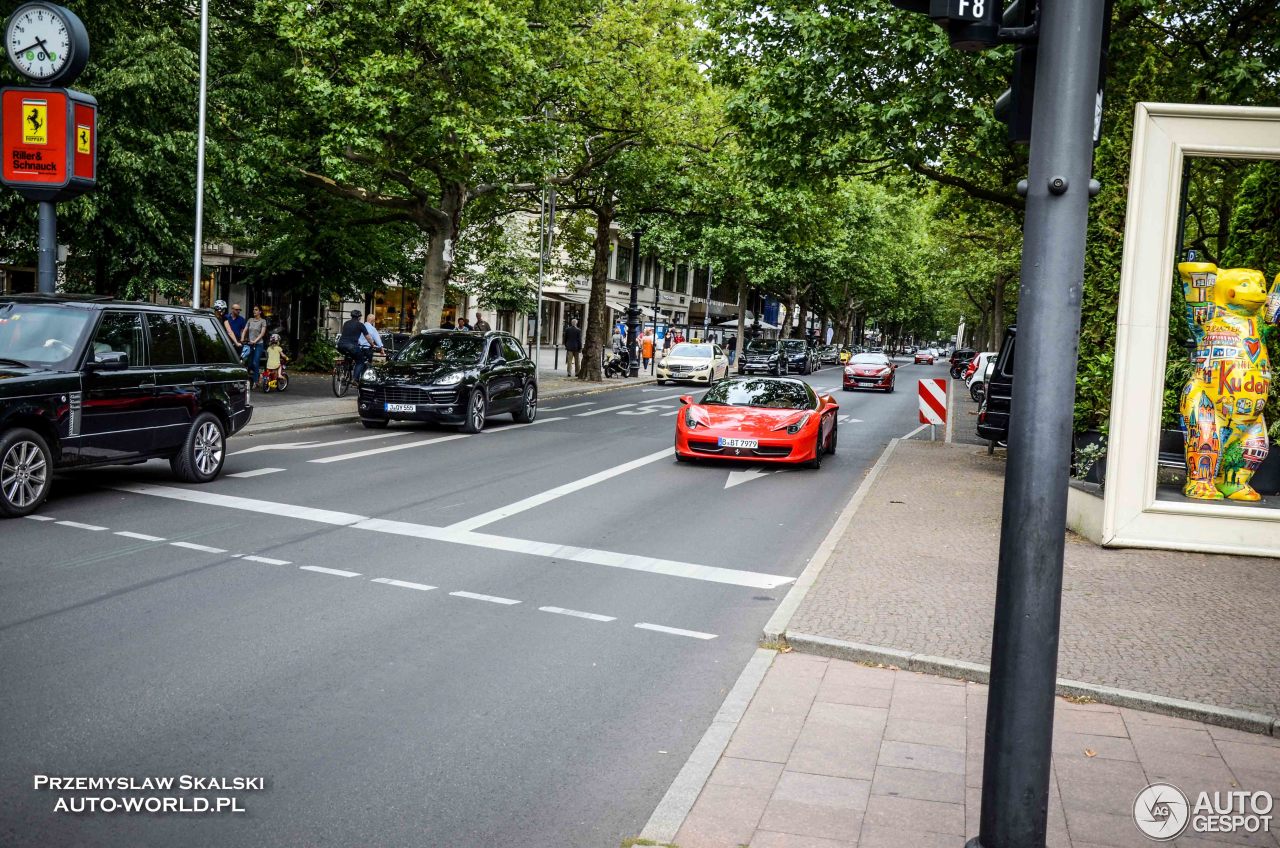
point(763, 450)
point(680, 369)
point(705, 447)
point(771, 450)
point(412, 394)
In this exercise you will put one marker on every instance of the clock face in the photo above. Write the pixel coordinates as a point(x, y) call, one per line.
point(38, 42)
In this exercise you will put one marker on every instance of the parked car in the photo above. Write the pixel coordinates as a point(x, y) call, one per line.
point(763, 356)
point(976, 374)
point(696, 363)
point(924, 357)
point(92, 381)
point(829, 355)
point(993, 412)
point(801, 359)
point(959, 360)
point(451, 378)
point(869, 371)
point(758, 419)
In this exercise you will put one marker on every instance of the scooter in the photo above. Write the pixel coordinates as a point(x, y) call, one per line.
point(617, 365)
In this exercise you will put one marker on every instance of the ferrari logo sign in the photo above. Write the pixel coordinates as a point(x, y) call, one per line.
point(83, 137)
point(35, 122)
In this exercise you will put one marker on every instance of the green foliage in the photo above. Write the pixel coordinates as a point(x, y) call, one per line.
point(318, 354)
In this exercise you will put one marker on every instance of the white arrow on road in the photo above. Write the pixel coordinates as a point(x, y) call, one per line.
point(753, 473)
point(844, 419)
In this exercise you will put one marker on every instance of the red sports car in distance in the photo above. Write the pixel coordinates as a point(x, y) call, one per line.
point(869, 371)
point(758, 419)
point(925, 356)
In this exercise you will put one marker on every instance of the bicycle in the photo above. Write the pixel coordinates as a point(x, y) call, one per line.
point(342, 375)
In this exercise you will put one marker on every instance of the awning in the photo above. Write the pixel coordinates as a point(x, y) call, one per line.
point(566, 296)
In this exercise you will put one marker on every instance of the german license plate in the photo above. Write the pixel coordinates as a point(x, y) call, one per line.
point(738, 443)
point(401, 407)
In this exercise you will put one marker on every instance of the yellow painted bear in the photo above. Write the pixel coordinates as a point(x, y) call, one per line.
point(1223, 401)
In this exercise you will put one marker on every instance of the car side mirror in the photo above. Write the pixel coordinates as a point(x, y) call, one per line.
point(114, 360)
point(685, 400)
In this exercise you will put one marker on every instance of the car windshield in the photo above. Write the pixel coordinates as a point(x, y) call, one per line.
point(795, 345)
point(772, 394)
point(442, 348)
point(692, 351)
point(870, 359)
point(40, 335)
point(762, 346)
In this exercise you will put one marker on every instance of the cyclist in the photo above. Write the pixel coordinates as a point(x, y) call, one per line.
point(349, 344)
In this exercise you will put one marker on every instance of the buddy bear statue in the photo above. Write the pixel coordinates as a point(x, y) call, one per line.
point(1222, 403)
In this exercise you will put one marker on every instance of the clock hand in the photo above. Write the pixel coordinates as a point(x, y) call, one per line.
point(38, 43)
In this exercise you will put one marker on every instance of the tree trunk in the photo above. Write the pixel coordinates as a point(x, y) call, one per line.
point(742, 317)
point(597, 330)
point(438, 266)
point(800, 331)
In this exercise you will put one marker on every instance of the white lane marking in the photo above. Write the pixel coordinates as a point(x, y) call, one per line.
point(41, 518)
point(373, 451)
point(675, 631)
point(129, 534)
point(845, 419)
point(192, 546)
point(257, 472)
point(558, 492)
point(916, 430)
point(550, 550)
point(519, 426)
point(669, 397)
point(268, 560)
point(571, 406)
point(737, 478)
point(602, 411)
point(578, 613)
point(336, 572)
point(310, 445)
point(77, 524)
point(493, 599)
point(421, 587)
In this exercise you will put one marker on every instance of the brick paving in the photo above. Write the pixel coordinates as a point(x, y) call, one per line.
point(833, 754)
point(916, 571)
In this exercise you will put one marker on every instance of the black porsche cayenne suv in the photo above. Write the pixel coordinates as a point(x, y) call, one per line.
point(451, 377)
point(91, 381)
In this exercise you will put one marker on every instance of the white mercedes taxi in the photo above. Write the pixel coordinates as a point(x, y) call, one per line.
point(693, 363)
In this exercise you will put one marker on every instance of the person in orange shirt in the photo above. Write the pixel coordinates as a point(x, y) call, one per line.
point(646, 347)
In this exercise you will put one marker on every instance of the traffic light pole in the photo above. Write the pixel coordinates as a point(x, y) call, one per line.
point(633, 309)
point(47, 247)
point(1024, 647)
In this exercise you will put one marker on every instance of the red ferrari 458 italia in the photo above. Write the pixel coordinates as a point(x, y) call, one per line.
point(758, 419)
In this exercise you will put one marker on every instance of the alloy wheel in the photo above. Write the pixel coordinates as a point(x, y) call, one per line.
point(207, 448)
point(530, 403)
point(477, 410)
point(23, 474)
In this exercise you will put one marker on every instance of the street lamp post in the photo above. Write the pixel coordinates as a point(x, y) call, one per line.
point(204, 75)
point(653, 361)
point(706, 315)
point(633, 308)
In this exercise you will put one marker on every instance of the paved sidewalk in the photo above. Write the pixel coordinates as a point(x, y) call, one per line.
point(1189, 626)
point(309, 401)
point(833, 754)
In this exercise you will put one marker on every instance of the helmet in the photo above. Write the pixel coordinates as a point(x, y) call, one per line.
point(275, 337)
point(355, 313)
point(220, 305)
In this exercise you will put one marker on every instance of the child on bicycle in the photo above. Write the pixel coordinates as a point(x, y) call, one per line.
point(275, 361)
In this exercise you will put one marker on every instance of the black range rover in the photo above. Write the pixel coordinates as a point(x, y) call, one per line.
point(91, 381)
point(451, 377)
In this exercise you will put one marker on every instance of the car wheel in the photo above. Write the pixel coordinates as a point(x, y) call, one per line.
point(528, 406)
point(26, 469)
point(477, 409)
point(977, 391)
point(831, 443)
point(200, 458)
point(816, 462)
point(374, 423)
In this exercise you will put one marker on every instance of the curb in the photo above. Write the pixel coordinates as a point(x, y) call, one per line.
point(1249, 722)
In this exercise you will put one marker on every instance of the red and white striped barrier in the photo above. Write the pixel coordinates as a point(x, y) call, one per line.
point(933, 401)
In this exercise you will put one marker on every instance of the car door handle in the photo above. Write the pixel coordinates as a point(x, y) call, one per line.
point(199, 382)
point(146, 385)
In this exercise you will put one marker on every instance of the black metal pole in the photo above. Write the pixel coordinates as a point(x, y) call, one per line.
point(653, 362)
point(47, 257)
point(633, 309)
point(1024, 645)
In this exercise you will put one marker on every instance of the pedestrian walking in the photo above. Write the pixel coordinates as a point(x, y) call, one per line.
point(481, 325)
point(646, 348)
point(667, 341)
point(573, 348)
point(254, 335)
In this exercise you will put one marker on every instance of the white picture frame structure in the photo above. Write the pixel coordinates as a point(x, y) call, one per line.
point(1132, 516)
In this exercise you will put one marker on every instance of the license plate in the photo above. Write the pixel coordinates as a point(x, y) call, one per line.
point(738, 443)
point(401, 407)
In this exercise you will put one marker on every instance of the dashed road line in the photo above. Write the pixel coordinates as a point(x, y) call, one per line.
point(311, 445)
point(257, 472)
point(578, 613)
point(80, 526)
point(675, 631)
point(144, 537)
point(511, 427)
point(267, 560)
point(403, 584)
point(570, 406)
point(336, 572)
point(192, 546)
point(41, 518)
point(493, 599)
point(342, 457)
point(606, 409)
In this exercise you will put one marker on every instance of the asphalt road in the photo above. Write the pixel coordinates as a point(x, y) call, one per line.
point(415, 638)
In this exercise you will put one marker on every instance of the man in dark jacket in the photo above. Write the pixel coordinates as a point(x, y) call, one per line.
point(573, 347)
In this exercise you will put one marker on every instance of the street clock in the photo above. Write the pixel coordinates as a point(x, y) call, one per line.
point(46, 43)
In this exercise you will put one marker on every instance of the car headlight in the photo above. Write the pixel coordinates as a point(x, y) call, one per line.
point(451, 378)
point(370, 377)
point(692, 421)
point(796, 426)
point(849, 371)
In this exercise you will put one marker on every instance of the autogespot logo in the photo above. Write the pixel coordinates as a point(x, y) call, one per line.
point(1161, 812)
